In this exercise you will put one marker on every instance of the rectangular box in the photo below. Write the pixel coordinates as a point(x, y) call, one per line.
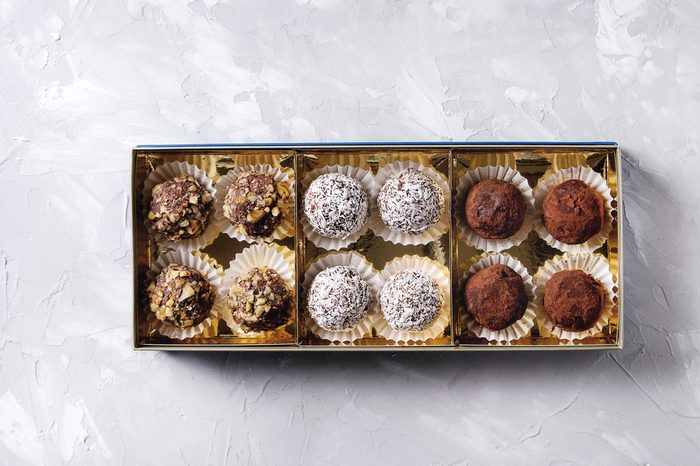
point(451, 160)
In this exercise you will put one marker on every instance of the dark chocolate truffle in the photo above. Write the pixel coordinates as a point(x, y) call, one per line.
point(339, 298)
point(336, 205)
point(495, 296)
point(181, 295)
point(410, 202)
point(495, 209)
point(180, 208)
point(256, 203)
point(573, 212)
point(260, 300)
point(573, 300)
point(411, 300)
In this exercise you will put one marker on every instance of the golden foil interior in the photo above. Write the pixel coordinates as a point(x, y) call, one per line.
point(450, 249)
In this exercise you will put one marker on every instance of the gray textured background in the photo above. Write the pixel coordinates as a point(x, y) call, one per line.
point(83, 81)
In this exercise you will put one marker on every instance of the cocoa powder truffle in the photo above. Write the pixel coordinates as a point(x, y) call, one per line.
point(260, 300)
point(495, 209)
point(573, 212)
point(256, 203)
point(336, 205)
point(410, 202)
point(338, 298)
point(495, 296)
point(411, 300)
point(180, 208)
point(181, 295)
point(573, 300)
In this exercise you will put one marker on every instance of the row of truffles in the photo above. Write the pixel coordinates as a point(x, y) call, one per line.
point(337, 205)
point(495, 297)
point(255, 203)
point(339, 298)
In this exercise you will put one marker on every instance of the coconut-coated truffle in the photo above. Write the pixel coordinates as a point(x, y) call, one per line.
point(573, 300)
point(495, 209)
point(495, 296)
point(573, 212)
point(336, 205)
point(180, 208)
point(256, 203)
point(181, 295)
point(411, 300)
point(338, 298)
point(410, 202)
point(260, 300)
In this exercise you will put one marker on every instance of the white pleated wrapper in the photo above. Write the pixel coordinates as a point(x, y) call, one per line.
point(518, 329)
point(593, 180)
point(440, 274)
point(272, 256)
point(366, 180)
point(397, 237)
point(593, 264)
point(200, 262)
point(368, 274)
point(495, 173)
point(286, 226)
point(171, 170)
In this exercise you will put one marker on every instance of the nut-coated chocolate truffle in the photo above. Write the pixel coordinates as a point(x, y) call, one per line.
point(256, 203)
point(260, 300)
point(495, 296)
point(573, 212)
point(411, 300)
point(338, 298)
point(495, 209)
point(181, 295)
point(180, 208)
point(410, 202)
point(573, 300)
point(336, 205)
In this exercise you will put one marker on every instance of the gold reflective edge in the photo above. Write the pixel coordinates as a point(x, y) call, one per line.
point(453, 161)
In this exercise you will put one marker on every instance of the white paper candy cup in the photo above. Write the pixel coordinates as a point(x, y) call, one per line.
point(440, 274)
point(397, 237)
point(368, 274)
point(366, 180)
point(209, 269)
point(496, 173)
point(593, 264)
point(272, 256)
point(286, 226)
point(595, 181)
point(518, 329)
point(163, 173)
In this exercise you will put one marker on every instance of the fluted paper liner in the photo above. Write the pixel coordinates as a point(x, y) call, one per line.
point(441, 275)
point(436, 231)
point(273, 256)
point(368, 274)
point(595, 181)
point(366, 180)
point(286, 225)
point(209, 268)
point(163, 173)
point(471, 178)
point(595, 265)
point(519, 328)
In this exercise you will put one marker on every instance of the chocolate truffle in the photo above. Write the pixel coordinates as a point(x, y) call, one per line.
point(411, 300)
point(410, 202)
point(181, 295)
point(573, 300)
point(260, 300)
point(180, 208)
point(495, 296)
point(336, 205)
point(339, 298)
point(255, 203)
point(495, 209)
point(572, 212)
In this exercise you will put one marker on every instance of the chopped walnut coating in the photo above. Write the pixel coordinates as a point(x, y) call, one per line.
point(180, 208)
point(255, 203)
point(260, 300)
point(181, 296)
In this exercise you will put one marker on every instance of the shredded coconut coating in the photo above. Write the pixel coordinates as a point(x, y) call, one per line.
point(411, 300)
point(410, 202)
point(181, 296)
point(336, 205)
point(339, 298)
point(180, 208)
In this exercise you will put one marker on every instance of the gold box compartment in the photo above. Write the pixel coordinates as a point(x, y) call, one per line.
point(452, 160)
